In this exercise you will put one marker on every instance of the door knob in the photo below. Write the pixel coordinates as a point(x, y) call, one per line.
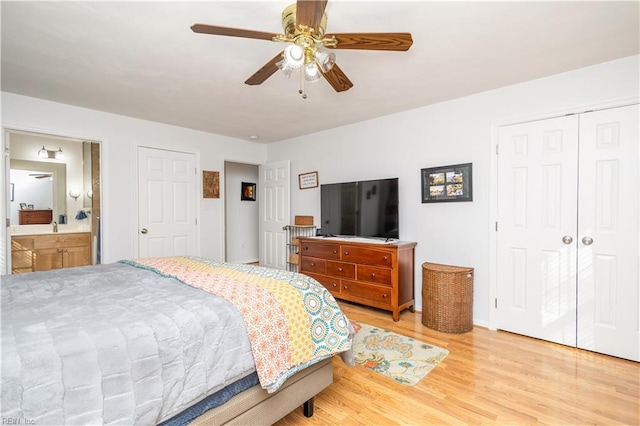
point(587, 241)
point(144, 231)
point(567, 239)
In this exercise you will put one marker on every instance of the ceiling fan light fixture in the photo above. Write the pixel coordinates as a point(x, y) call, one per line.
point(285, 67)
point(294, 55)
point(311, 72)
point(324, 58)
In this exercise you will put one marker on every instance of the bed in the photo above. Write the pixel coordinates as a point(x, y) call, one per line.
point(172, 341)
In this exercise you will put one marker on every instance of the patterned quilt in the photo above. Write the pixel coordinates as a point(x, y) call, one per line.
point(291, 319)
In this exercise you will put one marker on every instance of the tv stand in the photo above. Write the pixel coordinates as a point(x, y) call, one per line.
point(378, 274)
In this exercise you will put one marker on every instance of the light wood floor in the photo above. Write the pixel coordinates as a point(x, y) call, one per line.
point(488, 378)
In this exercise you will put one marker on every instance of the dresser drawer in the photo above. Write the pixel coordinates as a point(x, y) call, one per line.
point(377, 294)
point(33, 217)
point(313, 265)
point(332, 284)
point(341, 269)
point(374, 274)
point(367, 256)
point(323, 250)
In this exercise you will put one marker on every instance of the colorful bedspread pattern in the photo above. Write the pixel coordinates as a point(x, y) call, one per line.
point(291, 319)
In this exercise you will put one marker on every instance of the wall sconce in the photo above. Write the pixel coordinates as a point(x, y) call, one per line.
point(45, 153)
point(74, 193)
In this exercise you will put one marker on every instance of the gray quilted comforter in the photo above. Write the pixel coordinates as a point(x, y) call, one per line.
point(113, 344)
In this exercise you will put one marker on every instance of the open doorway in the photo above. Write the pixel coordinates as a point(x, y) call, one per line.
point(241, 213)
point(70, 200)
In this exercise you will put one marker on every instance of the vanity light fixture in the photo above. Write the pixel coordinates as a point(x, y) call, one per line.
point(45, 153)
point(74, 193)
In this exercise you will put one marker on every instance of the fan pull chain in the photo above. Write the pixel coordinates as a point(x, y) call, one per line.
point(301, 91)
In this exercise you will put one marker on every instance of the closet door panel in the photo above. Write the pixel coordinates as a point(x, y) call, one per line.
point(537, 202)
point(608, 233)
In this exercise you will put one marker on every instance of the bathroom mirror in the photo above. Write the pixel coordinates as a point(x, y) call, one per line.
point(38, 184)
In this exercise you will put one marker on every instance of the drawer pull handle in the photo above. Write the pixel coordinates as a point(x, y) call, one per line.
point(384, 258)
point(334, 285)
point(346, 287)
point(384, 296)
point(305, 248)
point(373, 275)
point(335, 251)
point(346, 253)
point(339, 269)
point(313, 264)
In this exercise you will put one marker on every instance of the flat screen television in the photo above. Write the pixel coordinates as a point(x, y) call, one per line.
point(361, 209)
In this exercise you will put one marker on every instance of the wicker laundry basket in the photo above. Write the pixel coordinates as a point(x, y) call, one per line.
point(447, 297)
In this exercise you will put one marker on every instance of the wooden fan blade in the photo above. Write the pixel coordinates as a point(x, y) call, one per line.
point(373, 41)
point(231, 32)
point(338, 79)
point(265, 72)
point(309, 12)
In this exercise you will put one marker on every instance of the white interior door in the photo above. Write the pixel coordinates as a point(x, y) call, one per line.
point(537, 186)
point(274, 189)
point(167, 188)
point(568, 245)
point(608, 232)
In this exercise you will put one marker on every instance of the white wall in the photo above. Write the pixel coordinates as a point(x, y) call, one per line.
point(458, 131)
point(120, 136)
point(241, 216)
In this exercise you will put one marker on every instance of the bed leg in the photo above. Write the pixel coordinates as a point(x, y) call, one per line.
point(307, 407)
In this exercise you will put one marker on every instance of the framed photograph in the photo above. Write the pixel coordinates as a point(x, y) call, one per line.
point(248, 192)
point(23, 206)
point(308, 180)
point(30, 207)
point(447, 183)
point(210, 184)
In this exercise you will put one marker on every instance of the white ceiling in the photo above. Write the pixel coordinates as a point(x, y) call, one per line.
point(141, 59)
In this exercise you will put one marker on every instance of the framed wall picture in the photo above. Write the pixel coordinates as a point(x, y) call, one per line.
point(447, 183)
point(308, 180)
point(248, 191)
point(210, 184)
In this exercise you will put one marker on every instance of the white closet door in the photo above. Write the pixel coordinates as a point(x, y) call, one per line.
point(608, 233)
point(537, 186)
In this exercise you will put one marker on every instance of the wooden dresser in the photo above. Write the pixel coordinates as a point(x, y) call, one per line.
point(34, 217)
point(44, 252)
point(380, 275)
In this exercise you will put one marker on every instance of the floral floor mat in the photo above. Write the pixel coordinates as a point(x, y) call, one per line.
point(400, 358)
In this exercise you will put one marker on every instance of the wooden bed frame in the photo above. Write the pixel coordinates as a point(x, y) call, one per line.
point(257, 407)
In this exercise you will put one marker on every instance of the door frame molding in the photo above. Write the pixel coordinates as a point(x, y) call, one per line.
point(493, 182)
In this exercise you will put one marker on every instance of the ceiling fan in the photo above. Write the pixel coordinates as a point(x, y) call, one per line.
point(43, 175)
point(304, 26)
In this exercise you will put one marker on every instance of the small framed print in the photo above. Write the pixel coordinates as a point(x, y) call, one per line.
point(248, 192)
point(210, 184)
point(447, 183)
point(308, 180)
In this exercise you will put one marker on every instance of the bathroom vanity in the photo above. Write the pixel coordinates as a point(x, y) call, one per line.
point(43, 252)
